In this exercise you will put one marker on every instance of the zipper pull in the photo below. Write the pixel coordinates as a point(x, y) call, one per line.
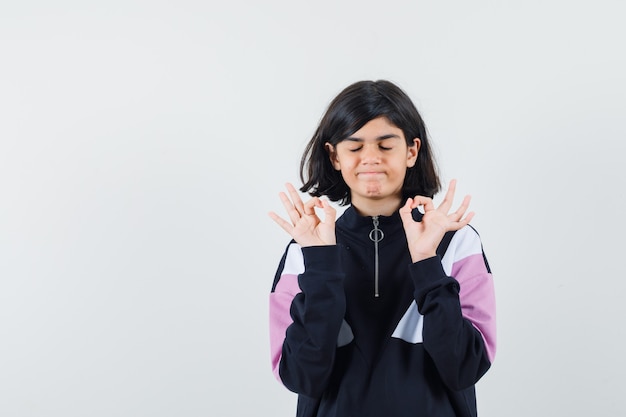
point(376, 235)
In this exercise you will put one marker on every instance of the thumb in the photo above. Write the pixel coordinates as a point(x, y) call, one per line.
point(329, 212)
point(406, 212)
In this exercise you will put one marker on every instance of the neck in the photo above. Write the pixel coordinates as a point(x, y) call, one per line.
point(383, 207)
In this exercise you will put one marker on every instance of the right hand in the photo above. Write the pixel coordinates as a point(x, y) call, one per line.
point(306, 228)
point(423, 237)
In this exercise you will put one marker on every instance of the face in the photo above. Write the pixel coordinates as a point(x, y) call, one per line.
point(373, 163)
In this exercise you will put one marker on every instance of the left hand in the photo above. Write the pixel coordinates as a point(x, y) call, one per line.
point(424, 237)
point(305, 226)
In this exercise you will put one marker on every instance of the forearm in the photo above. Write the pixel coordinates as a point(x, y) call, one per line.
point(304, 358)
point(452, 340)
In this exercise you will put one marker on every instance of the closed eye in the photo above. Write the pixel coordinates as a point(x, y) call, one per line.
point(356, 149)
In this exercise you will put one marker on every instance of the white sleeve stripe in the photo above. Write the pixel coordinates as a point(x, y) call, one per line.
point(294, 261)
point(464, 243)
point(410, 326)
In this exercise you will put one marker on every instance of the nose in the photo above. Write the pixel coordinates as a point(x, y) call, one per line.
point(370, 155)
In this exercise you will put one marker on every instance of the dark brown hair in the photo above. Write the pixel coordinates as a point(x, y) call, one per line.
point(356, 105)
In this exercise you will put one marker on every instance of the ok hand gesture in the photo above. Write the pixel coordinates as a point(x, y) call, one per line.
point(306, 227)
point(424, 237)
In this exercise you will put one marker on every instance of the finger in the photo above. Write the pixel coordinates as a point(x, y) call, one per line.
point(407, 207)
point(468, 218)
point(426, 202)
point(330, 214)
point(449, 198)
point(281, 222)
point(309, 206)
point(293, 214)
point(458, 214)
point(461, 223)
point(405, 212)
point(295, 197)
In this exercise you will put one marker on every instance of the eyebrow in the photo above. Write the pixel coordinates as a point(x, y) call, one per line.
point(379, 138)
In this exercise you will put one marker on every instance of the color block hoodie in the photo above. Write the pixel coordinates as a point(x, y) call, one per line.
point(357, 329)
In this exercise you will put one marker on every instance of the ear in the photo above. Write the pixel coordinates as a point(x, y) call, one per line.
point(332, 155)
point(412, 152)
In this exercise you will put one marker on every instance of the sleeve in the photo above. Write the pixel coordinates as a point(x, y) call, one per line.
point(456, 296)
point(307, 308)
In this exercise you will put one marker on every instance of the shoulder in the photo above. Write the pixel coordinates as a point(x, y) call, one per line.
point(294, 260)
point(291, 263)
point(464, 244)
point(466, 241)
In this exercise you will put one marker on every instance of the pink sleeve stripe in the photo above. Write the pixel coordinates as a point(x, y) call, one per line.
point(280, 304)
point(477, 298)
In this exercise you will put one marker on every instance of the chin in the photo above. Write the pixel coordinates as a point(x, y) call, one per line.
point(373, 193)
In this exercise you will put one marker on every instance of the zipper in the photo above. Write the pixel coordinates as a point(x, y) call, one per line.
point(376, 235)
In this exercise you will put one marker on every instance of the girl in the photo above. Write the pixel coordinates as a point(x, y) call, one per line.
point(388, 310)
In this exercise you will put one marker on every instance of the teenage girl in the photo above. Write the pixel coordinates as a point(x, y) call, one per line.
point(388, 310)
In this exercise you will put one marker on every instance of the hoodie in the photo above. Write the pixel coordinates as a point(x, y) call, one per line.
point(357, 329)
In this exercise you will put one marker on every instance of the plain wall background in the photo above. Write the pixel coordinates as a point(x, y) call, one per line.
point(143, 142)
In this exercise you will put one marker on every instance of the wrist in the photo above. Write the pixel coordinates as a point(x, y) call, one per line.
point(417, 256)
point(306, 243)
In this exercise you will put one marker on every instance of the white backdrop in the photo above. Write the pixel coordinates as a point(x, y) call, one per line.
point(143, 143)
